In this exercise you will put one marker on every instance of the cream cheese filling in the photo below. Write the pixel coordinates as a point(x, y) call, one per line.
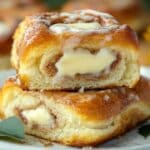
point(75, 26)
point(81, 61)
point(39, 116)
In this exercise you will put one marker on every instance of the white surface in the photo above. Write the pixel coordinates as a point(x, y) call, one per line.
point(131, 141)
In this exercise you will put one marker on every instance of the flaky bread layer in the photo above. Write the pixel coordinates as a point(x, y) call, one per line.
point(123, 72)
point(74, 118)
point(41, 42)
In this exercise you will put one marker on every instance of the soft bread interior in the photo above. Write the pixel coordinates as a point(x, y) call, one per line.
point(125, 72)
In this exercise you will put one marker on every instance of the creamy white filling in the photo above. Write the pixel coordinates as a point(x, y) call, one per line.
point(39, 116)
point(75, 26)
point(82, 61)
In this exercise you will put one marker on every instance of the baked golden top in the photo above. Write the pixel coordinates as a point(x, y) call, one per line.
point(48, 30)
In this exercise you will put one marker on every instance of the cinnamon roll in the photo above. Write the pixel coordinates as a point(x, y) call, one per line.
point(77, 118)
point(84, 48)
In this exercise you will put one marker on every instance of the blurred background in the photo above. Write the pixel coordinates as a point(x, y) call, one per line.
point(135, 13)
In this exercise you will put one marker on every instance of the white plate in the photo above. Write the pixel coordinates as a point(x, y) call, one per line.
point(131, 141)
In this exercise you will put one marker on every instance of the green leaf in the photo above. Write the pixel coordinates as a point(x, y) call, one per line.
point(12, 128)
point(54, 4)
point(144, 130)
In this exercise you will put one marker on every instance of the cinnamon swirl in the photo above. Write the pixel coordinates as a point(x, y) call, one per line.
point(84, 48)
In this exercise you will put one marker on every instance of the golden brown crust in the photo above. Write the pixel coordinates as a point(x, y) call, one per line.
point(96, 105)
point(26, 40)
point(126, 123)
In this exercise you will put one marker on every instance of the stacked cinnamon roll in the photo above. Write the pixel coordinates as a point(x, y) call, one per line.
point(78, 80)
